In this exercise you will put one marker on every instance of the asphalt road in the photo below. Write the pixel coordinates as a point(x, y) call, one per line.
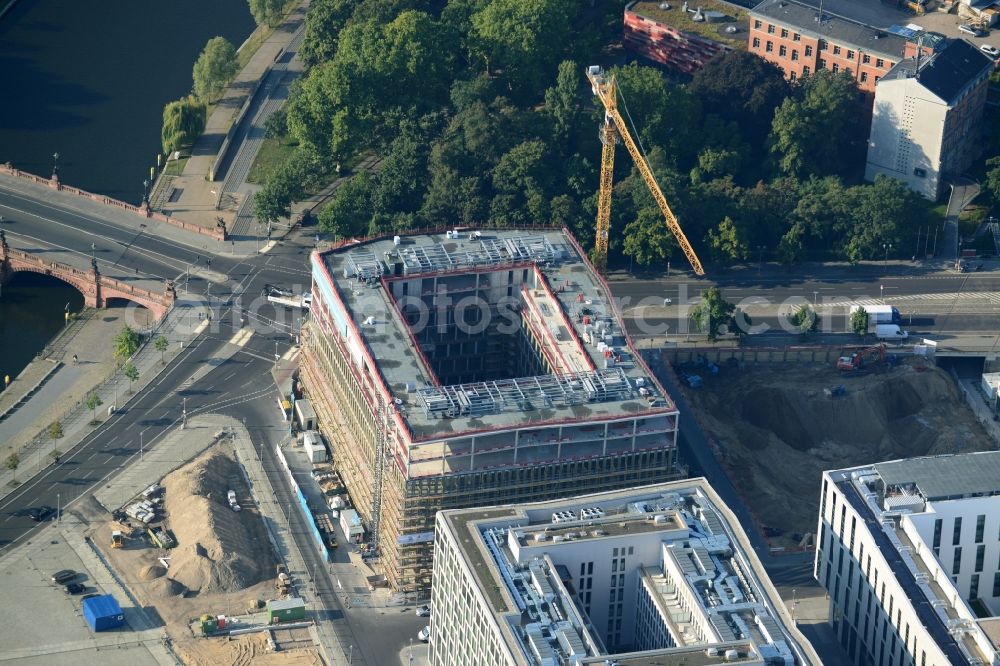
point(117, 249)
point(911, 290)
point(158, 408)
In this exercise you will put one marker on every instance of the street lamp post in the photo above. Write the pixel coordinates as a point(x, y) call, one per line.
point(145, 191)
point(881, 292)
point(885, 259)
point(140, 445)
point(93, 253)
point(58, 506)
point(55, 164)
point(815, 295)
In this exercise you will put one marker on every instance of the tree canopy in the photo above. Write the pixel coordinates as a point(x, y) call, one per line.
point(479, 113)
point(214, 69)
point(266, 12)
point(183, 122)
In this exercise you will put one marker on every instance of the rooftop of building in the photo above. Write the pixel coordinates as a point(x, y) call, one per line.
point(845, 29)
point(727, 16)
point(694, 656)
point(884, 492)
point(699, 535)
point(947, 72)
point(601, 390)
point(946, 477)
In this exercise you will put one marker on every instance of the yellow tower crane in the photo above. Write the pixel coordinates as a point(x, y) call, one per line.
point(605, 89)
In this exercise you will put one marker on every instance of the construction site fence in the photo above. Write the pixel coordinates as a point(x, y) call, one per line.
point(761, 355)
point(304, 504)
point(218, 232)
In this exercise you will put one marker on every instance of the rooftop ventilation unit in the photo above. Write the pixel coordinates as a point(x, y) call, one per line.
point(563, 516)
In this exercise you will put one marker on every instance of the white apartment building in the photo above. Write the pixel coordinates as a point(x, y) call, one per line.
point(927, 118)
point(909, 552)
point(659, 574)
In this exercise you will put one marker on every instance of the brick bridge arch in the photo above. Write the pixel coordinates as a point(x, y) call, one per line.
point(96, 288)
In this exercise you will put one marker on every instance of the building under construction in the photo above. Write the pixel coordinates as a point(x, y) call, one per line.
point(474, 368)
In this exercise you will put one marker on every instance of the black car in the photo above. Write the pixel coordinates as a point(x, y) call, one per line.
point(40, 513)
point(75, 588)
point(63, 577)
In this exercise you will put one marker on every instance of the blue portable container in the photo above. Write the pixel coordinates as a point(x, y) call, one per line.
point(103, 613)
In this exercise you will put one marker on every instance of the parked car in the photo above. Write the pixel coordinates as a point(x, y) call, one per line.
point(971, 30)
point(424, 611)
point(424, 634)
point(991, 51)
point(74, 588)
point(40, 513)
point(63, 577)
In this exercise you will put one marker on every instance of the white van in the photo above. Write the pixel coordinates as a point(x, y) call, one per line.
point(890, 332)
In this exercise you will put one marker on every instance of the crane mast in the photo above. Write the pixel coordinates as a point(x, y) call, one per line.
point(614, 127)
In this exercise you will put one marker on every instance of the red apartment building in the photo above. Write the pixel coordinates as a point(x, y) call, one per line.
point(794, 37)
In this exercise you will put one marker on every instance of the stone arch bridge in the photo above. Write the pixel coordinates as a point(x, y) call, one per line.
point(97, 289)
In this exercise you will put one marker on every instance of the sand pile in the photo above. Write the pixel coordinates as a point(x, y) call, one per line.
point(151, 572)
point(778, 431)
point(219, 549)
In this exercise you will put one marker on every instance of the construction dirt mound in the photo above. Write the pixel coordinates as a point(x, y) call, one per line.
point(151, 572)
point(778, 430)
point(165, 587)
point(219, 550)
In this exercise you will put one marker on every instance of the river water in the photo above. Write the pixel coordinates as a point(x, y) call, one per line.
point(89, 80)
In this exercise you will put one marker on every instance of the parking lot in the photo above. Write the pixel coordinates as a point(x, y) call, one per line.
point(45, 625)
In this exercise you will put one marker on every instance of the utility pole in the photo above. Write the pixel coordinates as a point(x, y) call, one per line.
point(184, 413)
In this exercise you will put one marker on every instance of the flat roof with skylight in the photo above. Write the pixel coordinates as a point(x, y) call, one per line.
point(654, 575)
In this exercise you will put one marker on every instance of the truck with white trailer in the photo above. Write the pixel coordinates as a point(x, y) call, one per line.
point(879, 314)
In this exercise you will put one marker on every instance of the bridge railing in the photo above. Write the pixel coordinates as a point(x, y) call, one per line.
point(217, 233)
point(107, 283)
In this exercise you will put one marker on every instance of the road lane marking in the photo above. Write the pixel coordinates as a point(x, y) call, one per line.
point(123, 228)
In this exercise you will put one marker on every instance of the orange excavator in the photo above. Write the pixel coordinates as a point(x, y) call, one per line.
point(862, 358)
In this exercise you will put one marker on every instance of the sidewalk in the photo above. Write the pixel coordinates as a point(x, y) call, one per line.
point(279, 530)
point(95, 210)
point(181, 324)
point(191, 196)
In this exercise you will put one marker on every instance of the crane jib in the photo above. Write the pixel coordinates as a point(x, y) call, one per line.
point(604, 89)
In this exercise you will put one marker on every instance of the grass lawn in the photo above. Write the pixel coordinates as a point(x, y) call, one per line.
point(273, 153)
point(969, 219)
point(176, 167)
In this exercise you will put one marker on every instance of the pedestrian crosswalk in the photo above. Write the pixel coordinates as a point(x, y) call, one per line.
point(966, 298)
